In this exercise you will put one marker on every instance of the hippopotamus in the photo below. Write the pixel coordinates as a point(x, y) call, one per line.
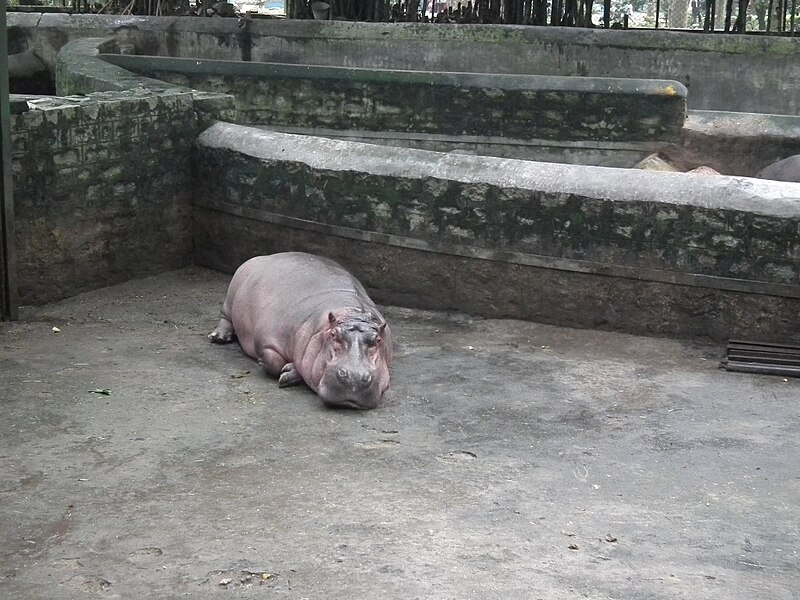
point(787, 169)
point(306, 319)
point(704, 170)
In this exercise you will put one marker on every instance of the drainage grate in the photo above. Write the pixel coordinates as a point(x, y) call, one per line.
point(767, 359)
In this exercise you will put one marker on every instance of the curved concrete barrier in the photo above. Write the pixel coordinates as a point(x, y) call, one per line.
point(666, 253)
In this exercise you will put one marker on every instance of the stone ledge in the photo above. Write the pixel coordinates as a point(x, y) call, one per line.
point(725, 193)
point(495, 237)
point(80, 70)
point(606, 220)
point(521, 106)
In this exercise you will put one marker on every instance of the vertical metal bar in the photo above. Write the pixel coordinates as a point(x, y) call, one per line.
point(8, 266)
point(769, 16)
point(785, 16)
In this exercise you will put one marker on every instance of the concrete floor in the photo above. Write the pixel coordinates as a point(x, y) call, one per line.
point(509, 460)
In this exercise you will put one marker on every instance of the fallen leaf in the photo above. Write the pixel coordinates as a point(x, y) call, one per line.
point(573, 546)
point(267, 576)
point(225, 581)
point(103, 392)
point(56, 330)
point(240, 374)
point(610, 538)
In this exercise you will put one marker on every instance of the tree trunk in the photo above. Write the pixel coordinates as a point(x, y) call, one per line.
point(678, 13)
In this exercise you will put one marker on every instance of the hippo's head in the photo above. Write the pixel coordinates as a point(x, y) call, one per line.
point(357, 372)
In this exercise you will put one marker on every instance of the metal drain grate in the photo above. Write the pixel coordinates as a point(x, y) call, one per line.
point(767, 359)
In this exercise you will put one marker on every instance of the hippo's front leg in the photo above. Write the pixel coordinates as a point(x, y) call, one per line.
point(274, 363)
point(289, 376)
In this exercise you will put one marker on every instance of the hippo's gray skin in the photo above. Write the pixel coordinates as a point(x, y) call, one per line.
point(305, 318)
point(787, 169)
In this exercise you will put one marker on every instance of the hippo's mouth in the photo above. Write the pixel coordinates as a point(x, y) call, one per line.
point(342, 401)
point(349, 388)
point(351, 404)
point(334, 397)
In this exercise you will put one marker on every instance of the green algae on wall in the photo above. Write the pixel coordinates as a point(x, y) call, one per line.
point(682, 238)
point(511, 106)
point(101, 190)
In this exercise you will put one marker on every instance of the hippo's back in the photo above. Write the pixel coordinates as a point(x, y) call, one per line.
point(282, 292)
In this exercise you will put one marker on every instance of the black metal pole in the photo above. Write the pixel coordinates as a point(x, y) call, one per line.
point(8, 263)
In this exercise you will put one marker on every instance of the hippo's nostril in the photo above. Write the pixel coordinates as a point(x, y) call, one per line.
point(342, 375)
point(366, 377)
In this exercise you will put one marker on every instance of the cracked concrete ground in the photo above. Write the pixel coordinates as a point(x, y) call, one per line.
point(508, 460)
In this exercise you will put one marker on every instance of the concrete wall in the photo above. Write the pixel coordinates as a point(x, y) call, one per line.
point(730, 73)
point(101, 190)
point(579, 120)
point(647, 252)
point(735, 143)
point(508, 106)
point(643, 252)
point(579, 126)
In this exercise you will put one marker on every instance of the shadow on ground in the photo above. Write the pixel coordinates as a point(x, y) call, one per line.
point(509, 460)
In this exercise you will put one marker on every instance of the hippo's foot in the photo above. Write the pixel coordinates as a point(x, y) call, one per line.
point(223, 333)
point(289, 376)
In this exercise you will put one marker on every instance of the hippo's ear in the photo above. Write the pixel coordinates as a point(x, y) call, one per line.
point(381, 327)
point(331, 319)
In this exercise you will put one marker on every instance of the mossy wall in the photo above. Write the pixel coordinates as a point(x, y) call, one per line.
point(722, 72)
point(456, 104)
point(101, 190)
point(504, 206)
point(721, 255)
point(108, 182)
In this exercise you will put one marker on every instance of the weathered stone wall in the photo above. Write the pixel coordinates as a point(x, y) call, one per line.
point(101, 190)
point(643, 252)
point(732, 73)
point(732, 143)
point(417, 277)
point(621, 233)
point(79, 70)
point(510, 106)
point(735, 143)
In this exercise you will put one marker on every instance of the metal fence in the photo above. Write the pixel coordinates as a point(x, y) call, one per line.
point(776, 17)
